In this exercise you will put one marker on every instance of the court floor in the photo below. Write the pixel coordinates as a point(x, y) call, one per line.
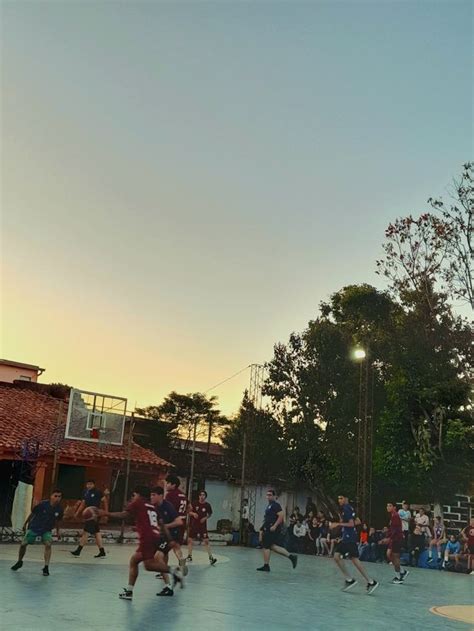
point(82, 594)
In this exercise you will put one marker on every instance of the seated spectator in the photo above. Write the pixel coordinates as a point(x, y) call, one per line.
point(422, 520)
point(468, 537)
point(313, 534)
point(299, 531)
point(295, 515)
point(322, 541)
point(363, 538)
point(452, 551)
point(405, 516)
point(334, 537)
point(381, 548)
point(372, 542)
point(438, 539)
point(417, 545)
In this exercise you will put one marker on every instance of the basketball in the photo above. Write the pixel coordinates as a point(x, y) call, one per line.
point(90, 513)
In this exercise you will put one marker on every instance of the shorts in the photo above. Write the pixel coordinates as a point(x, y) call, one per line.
point(348, 549)
point(270, 539)
point(163, 546)
point(147, 548)
point(177, 534)
point(395, 546)
point(91, 526)
point(199, 531)
point(470, 549)
point(30, 537)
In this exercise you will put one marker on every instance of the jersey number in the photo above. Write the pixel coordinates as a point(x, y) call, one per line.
point(153, 517)
point(182, 507)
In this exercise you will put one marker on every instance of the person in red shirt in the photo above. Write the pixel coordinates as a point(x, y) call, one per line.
point(468, 537)
point(145, 516)
point(394, 541)
point(176, 497)
point(199, 513)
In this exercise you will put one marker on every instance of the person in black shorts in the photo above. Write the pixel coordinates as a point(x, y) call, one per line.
point(270, 533)
point(93, 498)
point(347, 548)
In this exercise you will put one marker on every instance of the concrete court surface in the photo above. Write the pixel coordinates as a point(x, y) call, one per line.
point(82, 594)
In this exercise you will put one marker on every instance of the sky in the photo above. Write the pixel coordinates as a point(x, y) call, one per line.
point(182, 183)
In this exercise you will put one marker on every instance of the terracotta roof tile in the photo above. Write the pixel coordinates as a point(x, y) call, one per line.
point(26, 414)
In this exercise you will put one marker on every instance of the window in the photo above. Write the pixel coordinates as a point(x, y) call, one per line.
point(95, 420)
point(71, 481)
point(24, 378)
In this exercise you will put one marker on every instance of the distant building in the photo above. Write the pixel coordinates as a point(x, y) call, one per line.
point(11, 371)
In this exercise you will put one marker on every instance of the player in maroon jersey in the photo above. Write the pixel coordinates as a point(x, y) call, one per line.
point(199, 513)
point(176, 497)
point(468, 536)
point(146, 523)
point(395, 541)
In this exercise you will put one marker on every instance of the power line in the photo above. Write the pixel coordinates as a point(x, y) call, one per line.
point(228, 379)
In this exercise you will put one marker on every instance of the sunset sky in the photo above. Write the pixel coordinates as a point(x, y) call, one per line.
point(183, 183)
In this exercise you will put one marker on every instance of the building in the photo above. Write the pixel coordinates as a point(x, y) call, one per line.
point(35, 455)
point(11, 371)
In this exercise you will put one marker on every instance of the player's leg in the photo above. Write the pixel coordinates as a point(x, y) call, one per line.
point(167, 589)
point(47, 541)
point(190, 549)
point(205, 541)
point(361, 569)
point(341, 565)
point(82, 543)
point(135, 560)
point(284, 553)
point(27, 539)
point(100, 545)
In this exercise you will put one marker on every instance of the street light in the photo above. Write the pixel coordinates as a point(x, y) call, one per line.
point(359, 354)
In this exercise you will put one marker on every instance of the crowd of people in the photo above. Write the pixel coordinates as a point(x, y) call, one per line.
point(311, 533)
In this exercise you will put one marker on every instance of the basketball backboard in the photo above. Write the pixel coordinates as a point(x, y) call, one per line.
point(91, 414)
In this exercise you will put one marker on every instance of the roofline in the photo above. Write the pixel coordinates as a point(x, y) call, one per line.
point(8, 362)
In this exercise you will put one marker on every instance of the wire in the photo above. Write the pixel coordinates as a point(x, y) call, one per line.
point(228, 379)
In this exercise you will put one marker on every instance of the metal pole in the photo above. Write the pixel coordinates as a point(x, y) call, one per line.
point(242, 485)
point(127, 473)
point(193, 456)
point(56, 447)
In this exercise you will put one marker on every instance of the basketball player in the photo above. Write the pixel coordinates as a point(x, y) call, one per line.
point(347, 548)
point(93, 498)
point(199, 513)
point(270, 533)
point(145, 516)
point(395, 541)
point(176, 497)
point(40, 523)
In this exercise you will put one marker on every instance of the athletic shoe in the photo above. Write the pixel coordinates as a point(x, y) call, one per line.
point(126, 594)
point(177, 578)
point(212, 560)
point(159, 575)
point(264, 568)
point(349, 584)
point(17, 566)
point(101, 555)
point(397, 581)
point(430, 560)
point(45, 571)
point(294, 560)
point(166, 591)
point(404, 574)
point(76, 553)
point(189, 559)
point(371, 587)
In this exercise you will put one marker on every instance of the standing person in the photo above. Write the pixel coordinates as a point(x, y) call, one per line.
point(93, 498)
point(171, 521)
point(405, 516)
point(142, 511)
point(394, 542)
point(417, 545)
point(270, 533)
point(468, 536)
point(175, 496)
point(438, 539)
point(199, 513)
point(347, 548)
point(40, 522)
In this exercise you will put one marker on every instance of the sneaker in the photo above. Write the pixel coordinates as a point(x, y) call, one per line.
point(101, 555)
point(166, 591)
point(126, 594)
point(159, 575)
point(45, 571)
point(371, 587)
point(75, 553)
point(177, 578)
point(294, 560)
point(397, 581)
point(212, 560)
point(404, 574)
point(17, 566)
point(264, 568)
point(349, 584)
point(430, 561)
point(189, 559)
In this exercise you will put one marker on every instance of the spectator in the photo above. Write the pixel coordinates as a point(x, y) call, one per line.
point(363, 539)
point(372, 542)
point(438, 539)
point(295, 515)
point(300, 530)
point(334, 537)
point(452, 551)
point(468, 537)
point(417, 545)
point(405, 516)
point(381, 548)
point(422, 520)
point(313, 534)
point(322, 541)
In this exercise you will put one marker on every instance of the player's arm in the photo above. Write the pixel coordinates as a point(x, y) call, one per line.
point(278, 521)
point(58, 521)
point(28, 519)
point(79, 509)
point(119, 514)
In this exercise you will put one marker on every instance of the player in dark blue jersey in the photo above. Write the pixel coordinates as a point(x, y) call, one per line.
point(41, 521)
point(270, 533)
point(347, 548)
point(92, 498)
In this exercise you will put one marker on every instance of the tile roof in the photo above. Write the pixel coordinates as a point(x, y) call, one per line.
point(26, 414)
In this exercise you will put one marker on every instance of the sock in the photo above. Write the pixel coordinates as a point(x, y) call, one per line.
point(78, 549)
point(101, 550)
point(130, 588)
point(430, 553)
point(46, 567)
point(398, 574)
